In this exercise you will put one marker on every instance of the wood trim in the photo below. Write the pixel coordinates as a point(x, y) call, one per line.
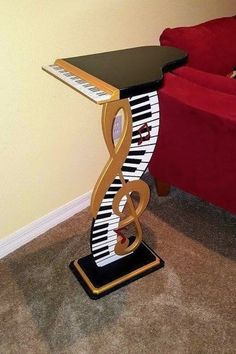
point(29, 232)
point(163, 188)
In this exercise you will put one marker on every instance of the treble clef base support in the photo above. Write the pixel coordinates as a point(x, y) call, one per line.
point(117, 259)
point(98, 282)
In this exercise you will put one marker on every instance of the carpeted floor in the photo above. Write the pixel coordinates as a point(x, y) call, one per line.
point(186, 307)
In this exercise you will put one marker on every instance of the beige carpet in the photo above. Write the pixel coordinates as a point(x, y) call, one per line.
point(186, 307)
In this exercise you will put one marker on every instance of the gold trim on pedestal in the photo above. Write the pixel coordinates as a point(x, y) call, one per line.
point(116, 282)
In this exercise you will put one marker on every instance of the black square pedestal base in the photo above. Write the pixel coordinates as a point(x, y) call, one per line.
point(99, 281)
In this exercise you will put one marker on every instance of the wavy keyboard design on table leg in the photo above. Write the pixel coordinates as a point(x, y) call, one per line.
point(145, 127)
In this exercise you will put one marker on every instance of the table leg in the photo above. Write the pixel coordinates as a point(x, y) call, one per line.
point(117, 258)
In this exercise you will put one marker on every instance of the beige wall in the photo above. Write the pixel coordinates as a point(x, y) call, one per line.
point(52, 149)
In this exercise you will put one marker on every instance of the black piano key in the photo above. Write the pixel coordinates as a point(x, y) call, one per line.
point(110, 195)
point(135, 161)
point(80, 81)
point(102, 255)
point(141, 109)
point(99, 227)
point(101, 249)
point(128, 169)
point(105, 207)
point(99, 240)
point(116, 181)
point(94, 89)
point(113, 189)
point(142, 116)
point(134, 141)
point(100, 233)
point(138, 100)
point(103, 216)
point(137, 152)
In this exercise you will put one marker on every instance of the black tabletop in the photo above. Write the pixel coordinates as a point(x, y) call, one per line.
point(133, 70)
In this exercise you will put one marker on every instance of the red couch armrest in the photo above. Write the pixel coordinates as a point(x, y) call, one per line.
point(200, 97)
point(209, 80)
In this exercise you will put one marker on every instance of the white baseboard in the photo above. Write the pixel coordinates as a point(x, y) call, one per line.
point(38, 227)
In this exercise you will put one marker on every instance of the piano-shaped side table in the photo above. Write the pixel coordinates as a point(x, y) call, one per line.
point(124, 80)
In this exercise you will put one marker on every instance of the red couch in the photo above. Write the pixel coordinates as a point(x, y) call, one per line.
point(196, 149)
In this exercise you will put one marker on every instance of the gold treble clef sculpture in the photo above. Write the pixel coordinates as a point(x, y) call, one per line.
point(118, 257)
point(118, 154)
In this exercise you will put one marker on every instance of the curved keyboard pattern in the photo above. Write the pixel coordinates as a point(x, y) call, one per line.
point(145, 128)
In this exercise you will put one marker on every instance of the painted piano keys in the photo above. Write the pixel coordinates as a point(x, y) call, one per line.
point(141, 141)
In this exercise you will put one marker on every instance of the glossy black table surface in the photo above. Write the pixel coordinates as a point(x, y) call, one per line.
point(133, 70)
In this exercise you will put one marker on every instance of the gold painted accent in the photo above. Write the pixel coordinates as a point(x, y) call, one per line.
point(102, 85)
point(118, 152)
point(118, 281)
point(133, 186)
point(144, 193)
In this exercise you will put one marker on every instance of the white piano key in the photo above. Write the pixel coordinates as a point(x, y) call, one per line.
point(109, 259)
point(140, 104)
point(96, 254)
point(104, 230)
point(81, 85)
point(105, 202)
point(112, 241)
point(154, 100)
point(113, 220)
point(110, 233)
point(148, 148)
point(140, 166)
point(97, 238)
point(139, 114)
point(106, 260)
point(138, 96)
point(145, 143)
point(104, 212)
point(111, 227)
point(99, 245)
point(155, 117)
point(136, 174)
point(108, 200)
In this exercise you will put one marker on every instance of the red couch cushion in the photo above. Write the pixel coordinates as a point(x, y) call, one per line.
point(212, 81)
point(196, 148)
point(211, 45)
point(201, 98)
